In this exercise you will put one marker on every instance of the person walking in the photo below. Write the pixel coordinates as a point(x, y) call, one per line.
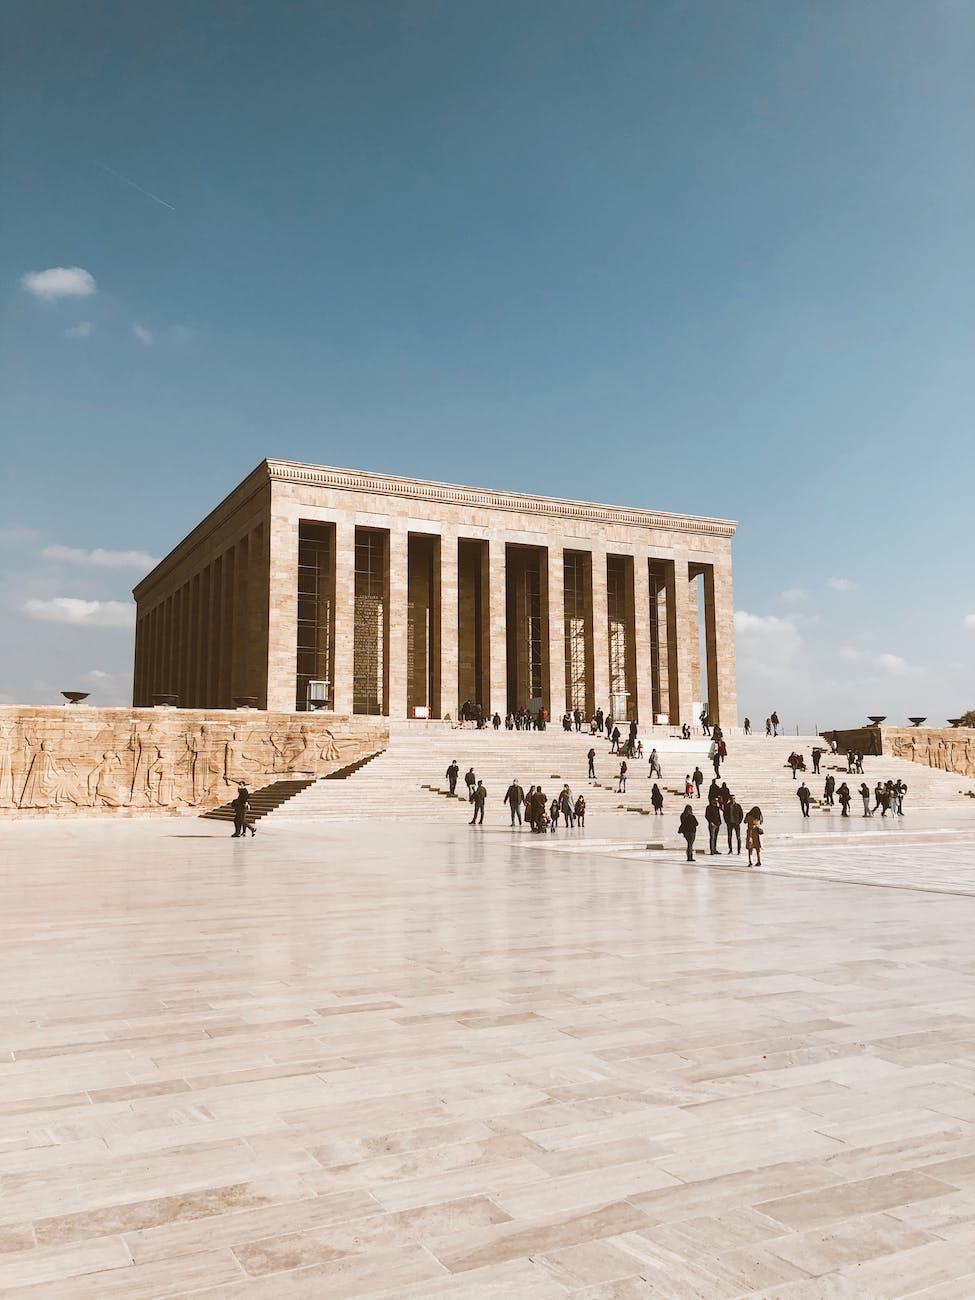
point(567, 806)
point(901, 792)
point(530, 807)
point(453, 772)
point(479, 799)
point(470, 780)
point(655, 765)
point(747, 727)
point(592, 764)
point(581, 811)
point(768, 726)
point(774, 719)
point(844, 796)
point(698, 780)
point(688, 828)
point(242, 806)
point(705, 722)
point(712, 815)
point(817, 754)
point(753, 835)
point(688, 787)
point(865, 796)
point(553, 814)
point(541, 810)
point(514, 797)
point(714, 754)
point(614, 747)
point(828, 787)
point(621, 788)
point(657, 799)
point(733, 817)
point(497, 721)
point(803, 795)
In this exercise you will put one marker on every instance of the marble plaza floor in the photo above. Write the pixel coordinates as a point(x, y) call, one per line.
point(420, 1061)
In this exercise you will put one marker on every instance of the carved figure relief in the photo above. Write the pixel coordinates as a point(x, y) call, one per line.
point(6, 771)
point(49, 783)
point(103, 784)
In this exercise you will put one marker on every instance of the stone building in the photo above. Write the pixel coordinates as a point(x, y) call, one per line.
point(407, 598)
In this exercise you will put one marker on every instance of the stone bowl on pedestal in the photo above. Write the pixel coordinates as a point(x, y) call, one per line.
point(877, 718)
point(917, 721)
point(75, 697)
point(163, 701)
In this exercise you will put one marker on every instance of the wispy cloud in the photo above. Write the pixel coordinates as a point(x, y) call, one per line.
point(766, 641)
point(969, 621)
point(127, 180)
point(59, 282)
point(101, 559)
point(82, 613)
point(80, 331)
point(793, 595)
point(142, 334)
point(841, 584)
point(16, 534)
point(890, 665)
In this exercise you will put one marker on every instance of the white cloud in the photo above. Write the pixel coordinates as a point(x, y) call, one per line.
point(766, 639)
point(59, 282)
point(792, 595)
point(142, 334)
point(895, 666)
point(80, 331)
point(82, 613)
point(101, 559)
point(969, 621)
point(841, 584)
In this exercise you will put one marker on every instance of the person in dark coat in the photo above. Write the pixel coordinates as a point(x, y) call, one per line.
point(514, 796)
point(581, 810)
point(568, 806)
point(844, 796)
point(657, 799)
point(698, 780)
point(242, 806)
point(479, 799)
point(470, 780)
point(817, 754)
point(803, 795)
point(828, 787)
point(453, 772)
point(688, 828)
point(592, 764)
point(712, 815)
point(733, 817)
point(655, 765)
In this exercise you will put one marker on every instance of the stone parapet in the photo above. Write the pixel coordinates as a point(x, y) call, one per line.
point(948, 749)
point(79, 761)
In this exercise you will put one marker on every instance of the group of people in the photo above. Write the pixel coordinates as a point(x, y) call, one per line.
point(540, 814)
point(724, 809)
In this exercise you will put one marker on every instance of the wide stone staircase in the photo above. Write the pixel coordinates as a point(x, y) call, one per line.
point(408, 782)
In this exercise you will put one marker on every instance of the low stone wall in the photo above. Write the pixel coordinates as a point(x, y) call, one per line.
point(949, 749)
point(75, 760)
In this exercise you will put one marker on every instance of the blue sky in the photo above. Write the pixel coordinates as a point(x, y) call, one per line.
point(708, 257)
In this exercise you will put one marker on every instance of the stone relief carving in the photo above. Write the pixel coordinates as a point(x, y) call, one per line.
point(124, 762)
point(946, 753)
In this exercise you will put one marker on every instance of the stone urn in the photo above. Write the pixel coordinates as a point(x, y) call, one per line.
point(877, 718)
point(75, 697)
point(163, 701)
point(954, 722)
point(917, 721)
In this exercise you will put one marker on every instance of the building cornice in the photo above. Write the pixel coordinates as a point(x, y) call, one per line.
point(286, 471)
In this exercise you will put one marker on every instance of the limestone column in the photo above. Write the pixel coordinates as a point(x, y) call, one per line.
point(343, 632)
point(719, 632)
point(282, 631)
point(497, 695)
point(599, 615)
point(644, 650)
point(396, 619)
point(681, 639)
point(555, 622)
point(445, 598)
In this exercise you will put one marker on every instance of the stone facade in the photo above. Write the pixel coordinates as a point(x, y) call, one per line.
point(407, 597)
point(131, 762)
point(949, 749)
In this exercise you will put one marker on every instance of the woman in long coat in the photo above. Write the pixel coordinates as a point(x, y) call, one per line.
point(688, 828)
point(753, 835)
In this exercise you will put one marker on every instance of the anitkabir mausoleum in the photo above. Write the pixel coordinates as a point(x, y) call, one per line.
point(360, 593)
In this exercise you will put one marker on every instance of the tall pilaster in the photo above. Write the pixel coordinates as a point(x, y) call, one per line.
point(599, 614)
point(343, 632)
point(644, 650)
point(445, 600)
point(681, 637)
point(397, 615)
point(719, 631)
point(554, 592)
point(282, 647)
point(497, 696)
